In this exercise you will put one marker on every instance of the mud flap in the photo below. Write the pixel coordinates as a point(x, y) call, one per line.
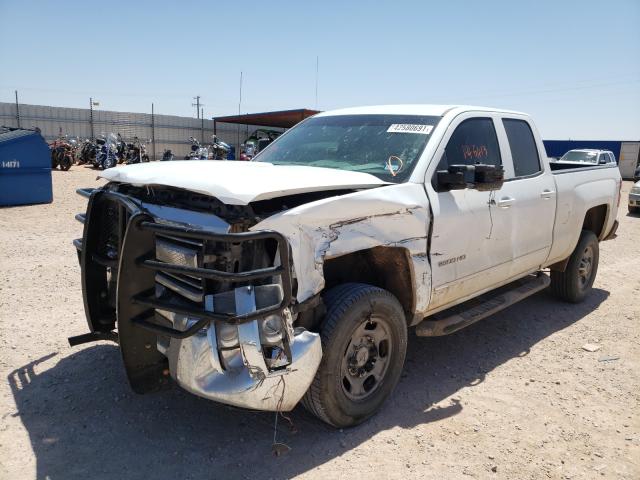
point(147, 369)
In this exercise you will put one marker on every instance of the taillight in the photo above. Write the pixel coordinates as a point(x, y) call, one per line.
point(619, 192)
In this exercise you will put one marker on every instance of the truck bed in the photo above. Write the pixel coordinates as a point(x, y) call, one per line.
point(580, 188)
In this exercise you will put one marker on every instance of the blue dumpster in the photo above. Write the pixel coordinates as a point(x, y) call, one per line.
point(25, 168)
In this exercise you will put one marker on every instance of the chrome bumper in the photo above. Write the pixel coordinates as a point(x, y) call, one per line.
point(194, 363)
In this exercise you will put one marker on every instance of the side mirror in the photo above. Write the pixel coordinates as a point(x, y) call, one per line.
point(480, 177)
point(602, 161)
point(488, 177)
point(451, 179)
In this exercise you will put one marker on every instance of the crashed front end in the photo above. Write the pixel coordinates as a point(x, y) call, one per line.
point(195, 297)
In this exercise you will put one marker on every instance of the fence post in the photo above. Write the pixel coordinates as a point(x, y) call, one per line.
point(91, 117)
point(153, 133)
point(17, 110)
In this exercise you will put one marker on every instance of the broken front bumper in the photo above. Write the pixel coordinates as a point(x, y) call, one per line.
point(216, 347)
point(195, 364)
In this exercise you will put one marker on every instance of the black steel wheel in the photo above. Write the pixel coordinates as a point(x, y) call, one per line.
point(576, 281)
point(364, 341)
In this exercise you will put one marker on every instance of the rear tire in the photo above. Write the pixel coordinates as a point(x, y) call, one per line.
point(575, 283)
point(364, 343)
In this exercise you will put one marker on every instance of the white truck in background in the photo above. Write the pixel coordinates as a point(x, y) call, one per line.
point(296, 276)
point(589, 155)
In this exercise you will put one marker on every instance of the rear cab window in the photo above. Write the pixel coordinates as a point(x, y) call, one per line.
point(524, 151)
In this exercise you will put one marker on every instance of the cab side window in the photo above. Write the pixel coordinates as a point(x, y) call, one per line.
point(522, 143)
point(473, 141)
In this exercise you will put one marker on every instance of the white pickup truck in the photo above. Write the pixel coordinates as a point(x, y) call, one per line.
point(296, 276)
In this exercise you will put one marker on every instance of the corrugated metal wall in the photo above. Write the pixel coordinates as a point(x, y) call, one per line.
point(557, 148)
point(170, 131)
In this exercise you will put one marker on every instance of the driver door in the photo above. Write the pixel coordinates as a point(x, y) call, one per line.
point(469, 244)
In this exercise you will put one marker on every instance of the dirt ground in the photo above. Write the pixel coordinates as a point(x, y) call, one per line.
point(512, 397)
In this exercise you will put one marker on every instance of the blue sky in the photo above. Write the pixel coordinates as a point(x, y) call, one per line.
point(575, 66)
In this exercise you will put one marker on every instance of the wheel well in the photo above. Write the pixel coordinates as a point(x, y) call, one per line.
point(594, 220)
point(385, 267)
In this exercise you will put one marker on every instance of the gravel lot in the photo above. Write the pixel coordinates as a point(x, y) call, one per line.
point(513, 397)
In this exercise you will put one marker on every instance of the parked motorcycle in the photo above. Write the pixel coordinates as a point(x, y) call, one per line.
point(219, 149)
point(121, 149)
point(247, 152)
point(137, 152)
point(167, 155)
point(198, 152)
point(107, 157)
point(99, 142)
point(62, 153)
point(87, 152)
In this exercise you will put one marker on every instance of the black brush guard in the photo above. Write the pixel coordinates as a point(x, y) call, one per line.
point(136, 302)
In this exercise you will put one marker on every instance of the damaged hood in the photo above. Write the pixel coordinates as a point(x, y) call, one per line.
point(239, 183)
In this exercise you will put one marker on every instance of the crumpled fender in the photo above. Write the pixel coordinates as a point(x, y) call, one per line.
point(395, 215)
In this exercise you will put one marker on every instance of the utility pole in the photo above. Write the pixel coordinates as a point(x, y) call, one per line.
point(240, 100)
point(202, 126)
point(197, 105)
point(17, 110)
point(317, 64)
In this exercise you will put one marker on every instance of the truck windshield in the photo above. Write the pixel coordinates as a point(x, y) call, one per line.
point(577, 156)
point(387, 146)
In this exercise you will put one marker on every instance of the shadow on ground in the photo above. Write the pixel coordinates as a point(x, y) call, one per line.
point(84, 422)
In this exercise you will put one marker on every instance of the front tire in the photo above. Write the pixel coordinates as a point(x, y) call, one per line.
point(364, 343)
point(109, 162)
point(575, 283)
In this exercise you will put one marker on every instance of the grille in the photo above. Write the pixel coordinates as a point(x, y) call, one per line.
point(181, 252)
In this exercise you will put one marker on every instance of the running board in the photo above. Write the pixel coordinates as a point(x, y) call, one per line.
point(463, 315)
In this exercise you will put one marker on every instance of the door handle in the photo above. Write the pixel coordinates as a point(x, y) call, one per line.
point(506, 202)
point(546, 194)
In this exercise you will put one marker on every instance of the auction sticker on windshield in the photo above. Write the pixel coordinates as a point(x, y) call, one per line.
point(410, 128)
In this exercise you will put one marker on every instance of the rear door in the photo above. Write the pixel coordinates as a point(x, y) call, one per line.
point(528, 196)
